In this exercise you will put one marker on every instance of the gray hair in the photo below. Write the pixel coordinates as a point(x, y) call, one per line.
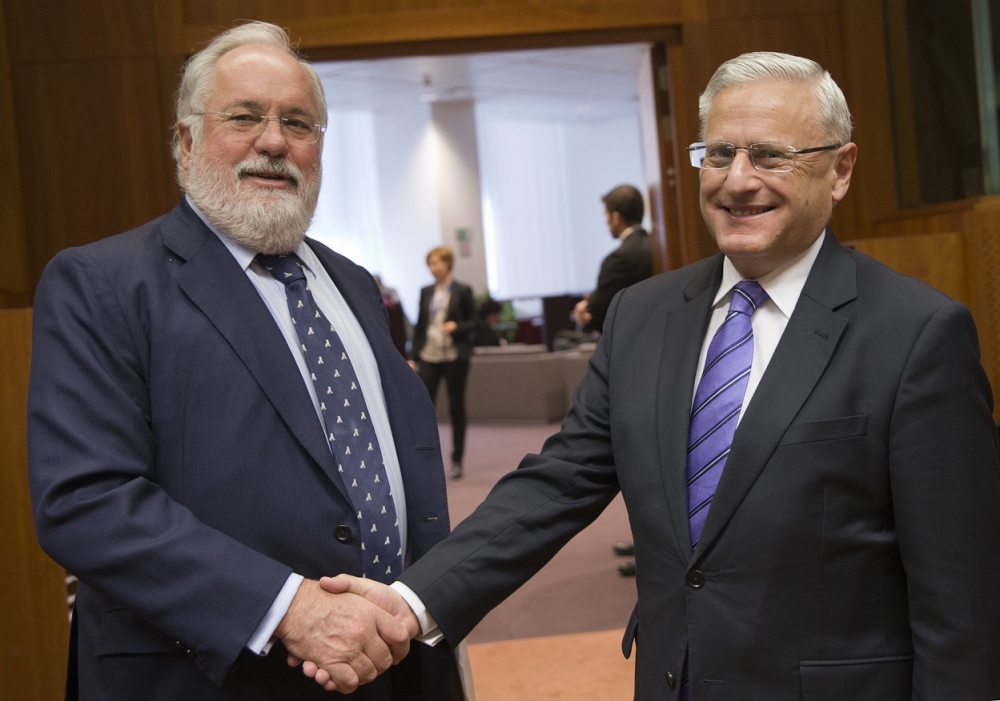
point(198, 74)
point(834, 116)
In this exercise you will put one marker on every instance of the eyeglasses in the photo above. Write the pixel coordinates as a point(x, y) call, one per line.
point(295, 128)
point(774, 158)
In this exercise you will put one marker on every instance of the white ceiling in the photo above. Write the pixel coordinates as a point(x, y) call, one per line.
point(583, 84)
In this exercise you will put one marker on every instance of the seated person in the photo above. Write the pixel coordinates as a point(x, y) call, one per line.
point(488, 316)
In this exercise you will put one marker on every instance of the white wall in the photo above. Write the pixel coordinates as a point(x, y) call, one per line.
point(411, 223)
point(542, 184)
point(459, 192)
point(600, 156)
point(393, 188)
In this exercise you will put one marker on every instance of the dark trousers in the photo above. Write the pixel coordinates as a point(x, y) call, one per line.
point(455, 374)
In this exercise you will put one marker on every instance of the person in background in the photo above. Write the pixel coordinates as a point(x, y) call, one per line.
point(399, 325)
point(628, 264)
point(486, 318)
point(442, 342)
point(197, 385)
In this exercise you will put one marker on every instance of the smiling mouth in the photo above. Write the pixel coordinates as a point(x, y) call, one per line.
point(266, 175)
point(747, 211)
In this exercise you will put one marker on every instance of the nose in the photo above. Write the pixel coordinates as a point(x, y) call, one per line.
point(741, 175)
point(271, 141)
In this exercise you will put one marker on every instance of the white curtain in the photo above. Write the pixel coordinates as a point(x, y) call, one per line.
point(348, 213)
point(526, 207)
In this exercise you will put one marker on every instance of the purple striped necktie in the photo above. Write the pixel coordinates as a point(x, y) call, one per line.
point(718, 401)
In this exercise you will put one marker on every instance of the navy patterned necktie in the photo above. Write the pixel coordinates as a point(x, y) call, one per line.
point(718, 402)
point(349, 428)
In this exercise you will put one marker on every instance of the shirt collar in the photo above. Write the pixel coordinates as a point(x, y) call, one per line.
point(783, 284)
point(634, 227)
point(243, 255)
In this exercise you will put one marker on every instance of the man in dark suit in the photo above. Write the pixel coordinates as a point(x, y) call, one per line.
point(628, 264)
point(842, 542)
point(186, 452)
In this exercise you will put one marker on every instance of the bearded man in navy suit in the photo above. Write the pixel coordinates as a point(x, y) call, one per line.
point(178, 458)
point(843, 540)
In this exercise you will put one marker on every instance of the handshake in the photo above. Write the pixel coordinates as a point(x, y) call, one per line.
point(345, 630)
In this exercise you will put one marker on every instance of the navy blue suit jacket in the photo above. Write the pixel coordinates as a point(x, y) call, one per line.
point(178, 467)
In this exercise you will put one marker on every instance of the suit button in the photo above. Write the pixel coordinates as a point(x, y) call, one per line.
point(696, 580)
point(342, 533)
point(670, 679)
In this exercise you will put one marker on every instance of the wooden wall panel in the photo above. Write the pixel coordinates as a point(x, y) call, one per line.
point(936, 259)
point(15, 282)
point(920, 242)
point(689, 72)
point(813, 35)
point(866, 85)
point(33, 619)
point(344, 24)
point(93, 153)
point(48, 31)
point(742, 9)
point(982, 232)
point(926, 220)
point(657, 155)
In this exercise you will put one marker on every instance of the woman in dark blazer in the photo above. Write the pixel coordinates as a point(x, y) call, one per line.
point(442, 342)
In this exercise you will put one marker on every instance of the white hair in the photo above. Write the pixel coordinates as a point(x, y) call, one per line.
point(834, 116)
point(198, 74)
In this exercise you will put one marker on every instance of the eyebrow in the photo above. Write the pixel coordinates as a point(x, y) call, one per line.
point(258, 107)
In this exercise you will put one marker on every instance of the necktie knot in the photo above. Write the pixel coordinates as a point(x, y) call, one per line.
point(285, 269)
point(747, 296)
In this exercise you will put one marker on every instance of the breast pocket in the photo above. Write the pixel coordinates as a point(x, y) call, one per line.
point(826, 430)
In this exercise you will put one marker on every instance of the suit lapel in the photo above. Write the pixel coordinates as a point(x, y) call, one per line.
point(214, 282)
point(802, 355)
point(678, 363)
point(367, 308)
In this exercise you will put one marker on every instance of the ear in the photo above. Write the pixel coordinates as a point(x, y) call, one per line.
point(186, 142)
point(842, 170)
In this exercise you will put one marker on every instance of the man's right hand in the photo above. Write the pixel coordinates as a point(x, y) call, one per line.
point(348, 638)
point(382, 595)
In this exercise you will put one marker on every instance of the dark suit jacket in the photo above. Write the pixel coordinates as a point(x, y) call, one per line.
point(178, 467)
point(461, 310)
point(628, 264)
point(852, 548)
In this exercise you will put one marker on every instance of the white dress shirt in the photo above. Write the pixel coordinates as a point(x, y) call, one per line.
point(336, 309)
point(783, 286)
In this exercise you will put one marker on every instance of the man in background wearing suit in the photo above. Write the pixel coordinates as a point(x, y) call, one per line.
point(628, 264)
point(843, 540)
point(218, 416)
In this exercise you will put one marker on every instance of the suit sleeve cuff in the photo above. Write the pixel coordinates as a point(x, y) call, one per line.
point(263, 638)
point(430, 634)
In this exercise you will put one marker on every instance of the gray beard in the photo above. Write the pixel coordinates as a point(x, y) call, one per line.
point(262, 221)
